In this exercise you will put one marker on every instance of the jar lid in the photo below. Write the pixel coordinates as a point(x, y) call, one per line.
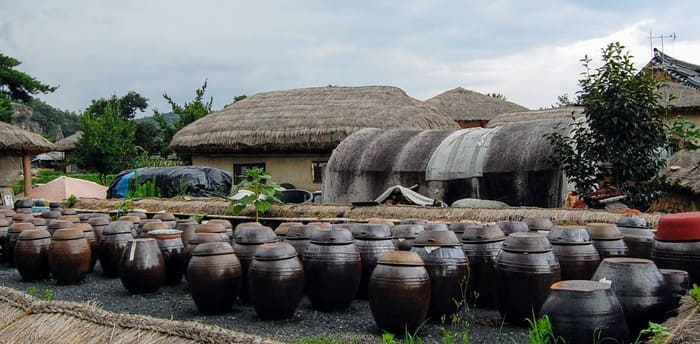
point(118, 227)
point(69, 212)
point(51, 214)
point(436, 238)
point(130, 218)
point(584, 286)
point(336, 236)
point(509, 227)
point(476, 234)
point(164, 216)
point(372, 231)
point(526, 242)
point(59, 224)
point(538, 223)
point(381, 222)
point(149, 226)
point(603, 231)
point(68, 234)
point(7, 212)
point(255, 235)
point(300, 231)
point(165, 233)
point(34, 234)
point(632, 222)
point(435, 226)
point(38, 221)
point(98, 221)
point(568, 235)
point(275, 251)
point(18, 227)
point(201, 238)
point(283, 227)
point(458, 227)
point(212, 248)
point(679, 227)
point(71, 218)
point(247, 224)
point(21, 217)
point(24, 203)
point(85, 227)
point(84, 216)
point(4, 222)
point(139, 214)
point(225, 223)
point(404, 258)
point(210, 228)
point(407, 231)
point(321, 225)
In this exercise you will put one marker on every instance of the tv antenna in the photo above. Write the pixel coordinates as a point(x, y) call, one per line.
point(672, 37)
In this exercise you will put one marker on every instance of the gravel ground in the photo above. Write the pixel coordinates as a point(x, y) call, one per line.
point(175, 303)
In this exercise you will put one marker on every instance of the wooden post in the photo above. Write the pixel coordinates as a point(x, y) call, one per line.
point(27, 168)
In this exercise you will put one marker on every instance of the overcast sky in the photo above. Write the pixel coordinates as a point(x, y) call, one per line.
point(527, 50)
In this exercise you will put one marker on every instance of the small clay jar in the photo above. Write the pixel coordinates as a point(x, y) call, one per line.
point(69, 212)
point(12, 236)
point(8, 214)
point(40, 223)
point(636, 235)
point(247, 241)
point(227, 224)
point(71, 218)
point(387, 222)
point(509, 227)
point(577, 256)
point(152, 226)
point(58, 224)
point(32, 254)
point(481, 246)
point(187, 226)
point(141, 232)
point(677, 244)
point(276, 281)
point(677, 283)
point(322, 225)
point(538, 223)
point(98, 223)
point(141, 215)
point(135, 220)
point(199, 238)
point(166, 218)
point(94, 245)
point(22, 217)
point(84, 217)
point(607, 239)
point(405, 234)
point(435, 226)
point(299, 237)
point(216, 228)
point(141, 268)
point(282, 228)
point(50, 215)
point(173, 251)
point(114, 239)
point(69, 256)
point(371, 240)
point(244, 225)
point(459, 227)
point(214, 277)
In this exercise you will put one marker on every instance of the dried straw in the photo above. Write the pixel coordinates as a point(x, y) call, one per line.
point(19, 141)
point(32, 321)
point(685, 327)
point(465, 105)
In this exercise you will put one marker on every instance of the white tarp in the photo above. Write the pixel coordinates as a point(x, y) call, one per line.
point(461, 155)
point(408, 194)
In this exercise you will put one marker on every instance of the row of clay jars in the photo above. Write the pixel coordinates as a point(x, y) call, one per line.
point(577, 256)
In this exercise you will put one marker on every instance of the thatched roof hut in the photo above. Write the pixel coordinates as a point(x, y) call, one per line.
point(561, 114)
point(18, 141)
point(684, 170)
point(305, 120)
point(68, 144)
point(469, 108)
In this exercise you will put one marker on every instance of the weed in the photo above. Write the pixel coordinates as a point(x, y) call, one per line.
point(124, 207)
point(389, 338)
point(71, 201)
point(412, 338)
point(325, 339)
point(541, 331)
point(34, 292)
point(657, 334)
point(695, 293)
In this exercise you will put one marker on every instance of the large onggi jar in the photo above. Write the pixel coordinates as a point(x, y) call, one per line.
point(141, 268)
point(276, 281)
point(113, 242)
point(575, 252)
point(32, 254)
point(69, 256)
point(677, 244)
point(372, 240)
point(247, 241)
point(214, 277)
point(481, 245)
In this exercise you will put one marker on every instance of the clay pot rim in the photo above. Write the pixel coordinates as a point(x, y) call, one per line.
point(580, 286)
point(65, 234)
point(627, 261)
point(336, 236)
point(99, 221)
point(19, 227)
point(165, 233)
point(427, 238)
point(546, 246)
point(275, 251)
point(34, 234)
point(209, 249)
point(401, 258)
point(674, 272)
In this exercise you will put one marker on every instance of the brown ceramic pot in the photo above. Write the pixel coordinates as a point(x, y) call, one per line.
point(404, 235)
point(167, 218)
point(199, 238)
point(4, 227)
point(371, 240)
point(69, 256)
point(12, 235)
point(90, 237)
point(173, 251)
point(141, 215)
point(58, 224)
point(575, 252)
point(677, 283)
point(538, 223)
point(152, 226)
point(247, 241)
point(214, 227)
point(276, 281)
point(509, 227)
point(40, 223)
point(32, 254)
point(399, 292)
point(141, 232)
point(299, 237)
point(114, 239)
point(141, 268)
point(214, 277)
point(481, 246)
point(227, 224)
point(98, 223)
point(282, 228)
point(187, 226)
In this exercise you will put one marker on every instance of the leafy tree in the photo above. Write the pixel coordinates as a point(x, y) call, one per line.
point(618, 144)
point(683, 134)
point(497, 96)
point(236, 99)
point(106, 144)
point(19, 85)
point(564, 100)
point(189, 112)
point(148, 137)
point(51, 119)
point(5, 109)
point(127, 105)
point(261, 194)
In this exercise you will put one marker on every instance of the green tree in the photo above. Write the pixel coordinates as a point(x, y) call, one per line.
point(50, 119)
point(188, 113)
point(127, 105)
point(5, 108)
point(618, 144)
point(499, 96)
point(19, 85)
point(106, 144)
point(149, 138)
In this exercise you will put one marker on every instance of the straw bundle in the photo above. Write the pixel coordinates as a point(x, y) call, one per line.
point(20, 141)
point(27, 320)
point(685, 327)
point(305, 120)
point(465, 105)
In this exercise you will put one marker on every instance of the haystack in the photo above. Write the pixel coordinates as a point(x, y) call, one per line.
point(17, 144)
point(24, 319)
point(685, 327)
point(471, 109)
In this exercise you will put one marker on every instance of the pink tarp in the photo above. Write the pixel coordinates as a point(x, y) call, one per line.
point(62, 187)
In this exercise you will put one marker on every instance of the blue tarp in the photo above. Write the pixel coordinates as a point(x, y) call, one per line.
point(174, 181)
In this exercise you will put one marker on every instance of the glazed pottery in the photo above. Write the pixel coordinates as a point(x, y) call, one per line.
point(575, 252)
point(174, 256)
point(509, 227)
point(276, 281)
point(247, 241)
point(12, 235)
point(32, 254)
point(69, 256)
point(141, 268)
point(282, 228)
point(481, 246)
point(299, 237)
point(98, 223)
point(214, 277)
point(405, 234)
point(677, 244)
point(114, 239)
point(90, 237)
point(371, 240)
point(677, 283)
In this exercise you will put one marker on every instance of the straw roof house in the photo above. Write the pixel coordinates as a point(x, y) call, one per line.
point(561, 114)
point(67, 144)
point(471, 109)
point(292, 133)
point(18, 144)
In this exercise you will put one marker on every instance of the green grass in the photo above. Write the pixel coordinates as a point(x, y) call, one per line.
point(44, 177)
point(325, 340)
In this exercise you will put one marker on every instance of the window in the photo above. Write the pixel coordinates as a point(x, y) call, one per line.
point(317, 170)
point(239, 169)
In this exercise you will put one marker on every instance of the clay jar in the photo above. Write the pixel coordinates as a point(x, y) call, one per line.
point(481, 246)
point(69, 256)
point(32, 254)
point(90, 237)
point(187, 226)
point(538, 223)
point(607, 240)
point(227, 225)
point(173, 251)
point(166, 218)
point(282, 228)
point(4, 227)
point(404, 235)
point(332, 269)
point(39, 223)
point(299, 237)
point(509, 227)
point(152, 226)
point(216, 228)
point(98, 223)
point(371, 240)
point(141, 232)
point(22, 217)
point(141, 215)
point(399, 292)
point(248, 239)
point(636, 235)
point(584, 312)
point(12, 236)
point(58, 224)
point(677, 244)
point(214, 277)
point(448, 268)
point(435, 226)
point(525, 269)
point(244, 225)
point(276, 281)
point(199, 238)
point(141, 268)
point(677, 283)
point(135, 220)
point(639, 286)
point(114, 239)
point(575, 252)
point(459, 227)
point(84, 217)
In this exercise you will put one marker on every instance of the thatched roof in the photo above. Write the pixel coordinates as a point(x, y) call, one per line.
point(19, 141)
point(684, 169)
point(68, 144)
point(557, 114)
point(24, 319)
point(465, 105)
point(306, 120)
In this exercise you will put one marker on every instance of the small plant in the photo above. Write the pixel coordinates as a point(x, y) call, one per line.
point(261, 194)
point(143, 190)
point(125, 206)
point(541, 331)
point(48, 294)
point(412, 338)
point(326, 339)
point(657, 334)
point(389, 338)
point(695, 293)
point(34, 292)
point(71, 201)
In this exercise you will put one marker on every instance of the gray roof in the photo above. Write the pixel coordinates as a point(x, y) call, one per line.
point(686, 74)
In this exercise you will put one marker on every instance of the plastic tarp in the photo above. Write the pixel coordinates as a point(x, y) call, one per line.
point(194, 181)
point(461, 155)
point(62, 187)
point(407, 194)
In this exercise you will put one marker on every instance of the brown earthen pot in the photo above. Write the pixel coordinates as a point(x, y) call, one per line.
point(276, 281)
point(173, 251)
point(32, 254)
point(141, 268)
point(214, 277)
point(69, 256)
point(247, 241)
point(114, 239)
point(12, 236)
